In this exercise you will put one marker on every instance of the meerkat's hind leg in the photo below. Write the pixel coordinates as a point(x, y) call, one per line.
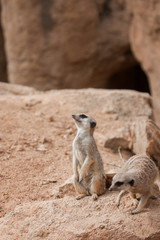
point(153, 197)
point(121, 194)
point(97, 187)
point(142, 203)
point(94, 188)
point(83, 192)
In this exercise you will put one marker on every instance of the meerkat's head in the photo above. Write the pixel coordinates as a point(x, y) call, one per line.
point(122, 181)
point(84, 121)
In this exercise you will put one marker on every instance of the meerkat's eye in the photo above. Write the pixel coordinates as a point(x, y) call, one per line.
point(83, 116)
point(118, 184)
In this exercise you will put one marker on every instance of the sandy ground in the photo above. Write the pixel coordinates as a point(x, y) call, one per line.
point(36, 134)
point(36, 148)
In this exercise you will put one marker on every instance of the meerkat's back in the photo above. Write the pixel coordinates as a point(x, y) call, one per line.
point(141, 164)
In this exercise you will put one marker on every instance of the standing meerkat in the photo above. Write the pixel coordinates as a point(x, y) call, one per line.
point(89, 176)
point(138, 175)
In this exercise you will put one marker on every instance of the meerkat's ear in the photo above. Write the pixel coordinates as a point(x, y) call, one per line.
point(131, 182)
point(92, 124)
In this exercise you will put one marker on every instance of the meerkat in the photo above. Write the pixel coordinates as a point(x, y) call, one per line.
point(89, 176)
point(138, 175)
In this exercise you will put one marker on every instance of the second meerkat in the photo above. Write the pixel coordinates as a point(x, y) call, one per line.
point(89, 175)
point(138, 175)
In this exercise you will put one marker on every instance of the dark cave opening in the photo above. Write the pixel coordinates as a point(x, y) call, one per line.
point(131, 78)
point(3, 60)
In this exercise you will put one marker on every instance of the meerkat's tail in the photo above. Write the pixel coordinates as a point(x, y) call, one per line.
point(120, 155)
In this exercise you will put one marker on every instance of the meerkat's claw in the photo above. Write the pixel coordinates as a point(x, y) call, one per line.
point(136, 211)
point(117, 204)
point(81, 196)
point(133, 212)
point(78, 198)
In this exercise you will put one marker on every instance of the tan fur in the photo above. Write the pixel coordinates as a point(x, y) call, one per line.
point(138, 175)
point(89, 175)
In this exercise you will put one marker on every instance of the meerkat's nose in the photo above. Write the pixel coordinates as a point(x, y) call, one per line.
point(73, 116)
point(110, 189)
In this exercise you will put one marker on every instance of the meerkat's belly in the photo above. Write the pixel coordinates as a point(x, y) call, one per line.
point(80, 156)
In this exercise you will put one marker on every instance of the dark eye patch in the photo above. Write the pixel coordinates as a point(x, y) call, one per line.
point(131, 182)
point(83, 116)
point(118, 184)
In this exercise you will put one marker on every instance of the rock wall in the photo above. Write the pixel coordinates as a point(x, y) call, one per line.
point(69, 44)
point(65, 44)
point(144, 37)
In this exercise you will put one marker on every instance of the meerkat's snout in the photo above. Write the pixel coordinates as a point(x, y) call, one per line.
point(111, 188)
point(115, 187)
point(79, 117)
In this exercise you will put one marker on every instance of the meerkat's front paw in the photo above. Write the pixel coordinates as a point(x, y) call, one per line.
point(81, 177)
point(76, 177)
point(117, 205)
point(134, 212)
